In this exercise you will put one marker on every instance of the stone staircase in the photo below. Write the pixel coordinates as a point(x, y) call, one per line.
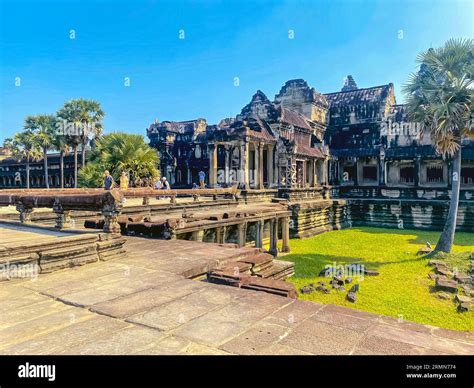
point(259, 272)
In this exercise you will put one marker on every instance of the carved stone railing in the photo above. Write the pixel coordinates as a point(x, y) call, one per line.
point(109, 203)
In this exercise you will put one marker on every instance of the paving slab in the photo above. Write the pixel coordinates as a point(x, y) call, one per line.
point(68, 337)
point(256, 339)
point(322, 338)
point(125, 341)
point(177, 312)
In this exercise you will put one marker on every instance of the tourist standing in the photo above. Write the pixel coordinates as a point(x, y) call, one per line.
point(108, 181)
point(202, 178)
point(123, 181)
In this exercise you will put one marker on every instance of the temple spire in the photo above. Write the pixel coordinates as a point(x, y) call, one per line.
point(349, 84)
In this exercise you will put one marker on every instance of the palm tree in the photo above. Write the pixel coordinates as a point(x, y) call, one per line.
point(440, 97)
point(87, 116)
point(43, 128)
point(24, 147)
point(60, 144)
point(118, 152)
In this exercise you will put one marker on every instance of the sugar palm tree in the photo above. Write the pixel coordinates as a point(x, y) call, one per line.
point(87, 116)
point(23, 146)
point(43, 128)
point(440, 96)
point(61, 144)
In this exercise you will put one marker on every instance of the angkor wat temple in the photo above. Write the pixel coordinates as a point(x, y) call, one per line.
point(356, 144)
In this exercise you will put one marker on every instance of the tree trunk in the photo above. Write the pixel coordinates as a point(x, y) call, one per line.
point(61, 163)
point(45, 166)
point(446, 240)
point(27, 173)
point(75, 166)
point(83, 155)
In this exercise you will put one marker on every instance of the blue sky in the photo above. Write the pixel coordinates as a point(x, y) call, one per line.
point(180, 79)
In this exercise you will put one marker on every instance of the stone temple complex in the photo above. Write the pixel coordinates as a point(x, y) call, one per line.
point(356, 144)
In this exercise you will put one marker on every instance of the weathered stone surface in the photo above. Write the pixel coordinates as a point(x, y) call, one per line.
point(446, 285)
point(254, 340)
point(351, 297)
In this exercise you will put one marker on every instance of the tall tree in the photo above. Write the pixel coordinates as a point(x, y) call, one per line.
point(43, 128)
point(61, 144)
point(118, 152)
point(440, 96)
point(23, 146)
point(83, 119)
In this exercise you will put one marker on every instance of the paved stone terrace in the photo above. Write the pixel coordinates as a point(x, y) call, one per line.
point(143, 304)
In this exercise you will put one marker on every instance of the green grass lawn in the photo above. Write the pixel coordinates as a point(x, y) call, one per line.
point(402, 289)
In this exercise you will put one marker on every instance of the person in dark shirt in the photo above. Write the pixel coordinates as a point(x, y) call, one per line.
point(108, 181)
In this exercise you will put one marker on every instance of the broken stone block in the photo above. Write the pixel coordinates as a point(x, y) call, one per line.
point(348, 280)
point(463, 299)
point(432, 276)
point(424, 251)
point(463, 307)
point(351, 297)
point(443, 271)
point(307, 290)
point(371, 272)
point(443, 295)
point(323, 289)
point(446, 285)
point(355, 288)
point(437, 262)
point(462, 278)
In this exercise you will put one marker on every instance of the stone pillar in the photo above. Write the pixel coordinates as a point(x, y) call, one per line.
point(242, 234)
point(274, 237)
point(146, 201)
point(382, 171)
point(212, 150)
point(355, 179)
point(256, 166)
point(197, 235)
point(259, 234)
point(63, 217)
point(417, 171)
point(285, 234)
point(270, 172)
point(25, 213)
point(111, 211)
point(244, 165)
point(260, 163)
point(220, 234)
point(227, 165)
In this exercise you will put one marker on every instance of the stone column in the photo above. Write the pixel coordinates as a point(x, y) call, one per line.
point(274, 237)
point(417, 171)
point(244, 165)
point(227, 165)
point(220, 234)
point(285, 234)
point(63, 217)
point(382, 169)
point(242, 234)
point(25, 213)
point(212, 150)
point(259, 234)
point(355, 178)
point(111, 211)
point(270, 173)
point(260, 163)
point(256, 166)
point(197, 235)
point(146, 201)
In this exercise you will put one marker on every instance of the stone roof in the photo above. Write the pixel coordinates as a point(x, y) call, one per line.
point(177, 126)
point(296, 119)
point(301, 87)
point(359, 96)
